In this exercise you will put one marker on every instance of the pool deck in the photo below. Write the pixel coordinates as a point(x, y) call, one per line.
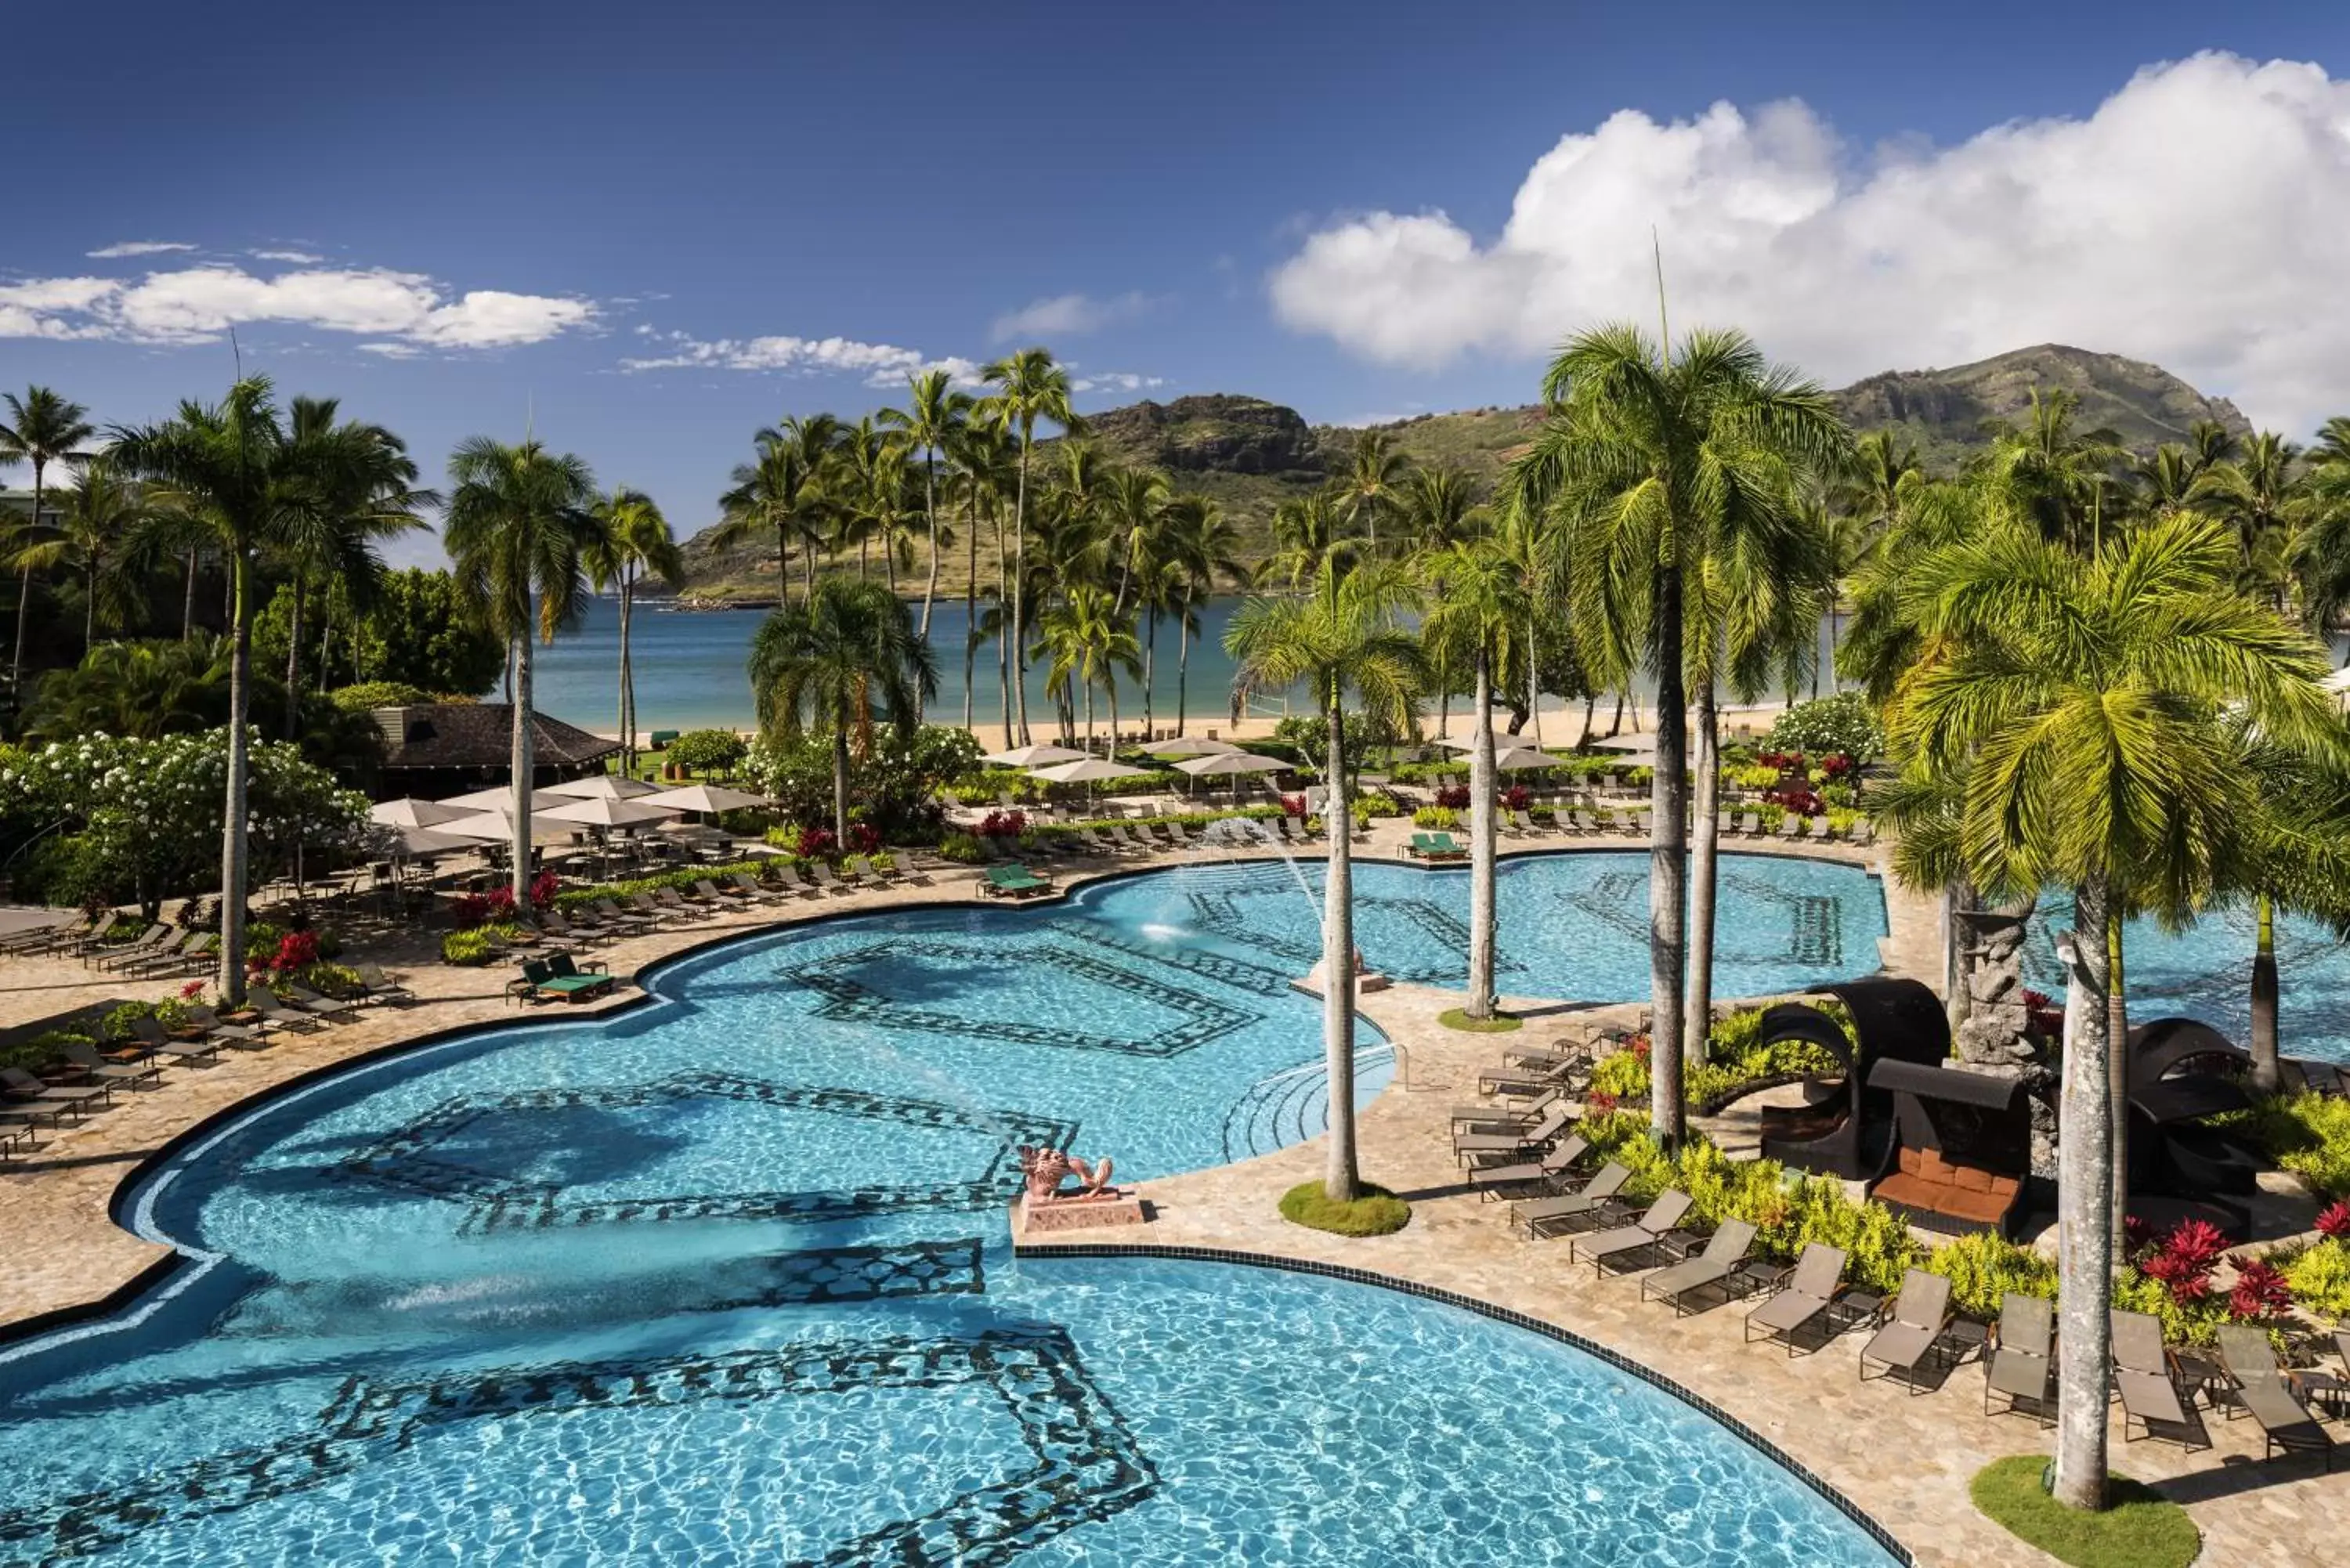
point(1905, 1459)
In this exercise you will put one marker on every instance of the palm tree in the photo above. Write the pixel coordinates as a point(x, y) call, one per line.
point(930, 423)
point(239, 473)
point(1202, 544)
point(1088, 640)
point(1029, 387)
point(870, 496)
point(105, 523)
point(2293, 852)
point(2083, 707)
point(2320, 554)
point(2254, 494)
point(521, 518)
point(366, 492)
point(841, 658)
point(1475, 601)
point(783, 489)
point(632, 542)
point(1343, 635)
point(1375, 472)
point(2054, 473)
point(1644, 459)
point(43, 428)
point(982, 457)
point(1310, 532)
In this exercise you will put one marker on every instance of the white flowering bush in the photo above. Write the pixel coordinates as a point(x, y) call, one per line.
point(142, 819)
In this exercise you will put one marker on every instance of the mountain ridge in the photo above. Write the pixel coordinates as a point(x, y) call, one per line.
point(1250, 454)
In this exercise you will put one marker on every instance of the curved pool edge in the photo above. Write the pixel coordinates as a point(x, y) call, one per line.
point(1867, 1522)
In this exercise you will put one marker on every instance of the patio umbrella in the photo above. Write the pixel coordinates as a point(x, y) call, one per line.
point(410, 812)
point(1231, 765)
point(501, 798)
point(1512, 759)
point(601, 812)
point(604, 786)
point(497, 828)
point(423, 843)
point(706, 798)
point(1033, 756)
point(1084, 771)
point(1192, 746)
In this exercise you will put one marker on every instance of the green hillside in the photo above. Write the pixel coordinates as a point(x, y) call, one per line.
point(1251, 455)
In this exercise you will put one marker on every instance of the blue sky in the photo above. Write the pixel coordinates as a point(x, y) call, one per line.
point(653, 229)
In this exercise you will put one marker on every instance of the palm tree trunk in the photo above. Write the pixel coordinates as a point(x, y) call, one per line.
point(2117, 1064)
point(1003, 647)
point(524, 764)
point(2084, 1235)
point(2265, 1075)
point(840, 783)
point(971, 609)
point(1590, 706)
point(188, 602)
point(1667, 869)
point(1089, 717)
point(1534, 680)
point(89, 607)
point(25, 590)
point(1182, 664)
point(1697, 1022)
point(1020, 581)
point(627, 676)
point(1480, 842)
point(1341, 1181)
point(931, 512)
point(294, 662)
point(1149, 672)
point(233, 817)
point(807, 573)
point(327, 640)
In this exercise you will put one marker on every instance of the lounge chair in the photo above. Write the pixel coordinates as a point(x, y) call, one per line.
point(263, 1001)
point(1921, 1316)
point(1011, 881)
point(2021, 1364)
point(42, 938)
point(2146, 1378)
point(729, 893)
point(679, 905)
point(144, 946)
point(328, 1007)
point(556, 924)
point(214, 1027)
point(151, 1038)
point(1805, 1299)
point(788, 879)
point(2266, 1394)
point(1789, 826)
point(1864, 833)
point(1818, 829)
point(821, 874)
point(166, 957)
point(1571, 1210)
point(25, 1088)
point(1585, 821)
point(98, 1070)
point(376, 986)
point(1750, 824)
point(1487, 1117)
point(1724, 1255)
point(1532, 1175)
point(751, 886)
point(1511, 1143)
point(1640, 1238)
point(558, 980)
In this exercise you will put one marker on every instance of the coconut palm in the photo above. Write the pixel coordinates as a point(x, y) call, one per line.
point(982, 457)
point(1132, 509)
point(1088, 640)
point(2083, 706)
point(43, 428)
point(1476, 598)
point(841, 659)
point(521, 521)
point(1310, 532)
point(1369, 489)
point(2060, 476)
point(781, 489)
point(2319, 553)
point(930, 423)
point(870, 497)
point(631, 544)
point(1645, 458)
point(1203, 546)
point(1882, 473)
point(99, 535)
point(1029, 387)
point(2292, 853)
point(2254, 494)
point(1342, 636)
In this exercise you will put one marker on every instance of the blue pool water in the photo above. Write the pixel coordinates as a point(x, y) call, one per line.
point(2206, 972)
point(724, 1281)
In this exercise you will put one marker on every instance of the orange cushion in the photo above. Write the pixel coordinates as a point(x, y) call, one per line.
point(1932, 1165)
point(1902, 1188)
point(2004, 1186)
point(1984, 1207)
point(1970, 1179)
point(1909, 1160)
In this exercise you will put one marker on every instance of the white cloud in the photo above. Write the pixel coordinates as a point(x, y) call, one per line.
point(136, 248)
point(392, 350)
point(196, 303)
point(1115, 381)
point(1067, 315)
point(880, 364)
point(303, 258)
point(2198, 218)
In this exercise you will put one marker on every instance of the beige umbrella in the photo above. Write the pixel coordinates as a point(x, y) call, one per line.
point(1084, 771)
point(1514, 759)
point(422, 843)
point(601, 812)
point(1231, 765)
point(410, 812)
point(502, 799)
point(1032, 756)
point(604, 786)
point(497, 828)
point(706, 798)
point(1192, 746)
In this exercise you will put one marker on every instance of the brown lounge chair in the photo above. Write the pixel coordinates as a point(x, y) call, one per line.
point(1512, 1143)
point(156, 1042)
point(2270, 1398)
point(1489, 1118)
point(1533, 1175)
point(1568, 1212)
point(27, 1090)
point(1724, 1255)
point(276, 1013)
point(1921, 1316)
point(2021, 1366)
point(1807, 1297)
point(1626, 1243)
point(214, 1027)
point(2146, 1380)
point(98, 1070)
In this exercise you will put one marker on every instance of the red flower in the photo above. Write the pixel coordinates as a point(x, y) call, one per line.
point(2198, 1241)
point(1293, 806)
point(2261, 1291)
point(2136, 1234)
point(1454, 797)
point(815, 843)
point(193, 989)
point(542, 890)
point(2336, 1221)
point(864, 838)
point(1600, 1102)
point(997, 825)
point(296, 950)
point(1516, 797)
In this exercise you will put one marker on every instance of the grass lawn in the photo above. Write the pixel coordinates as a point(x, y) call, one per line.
point(2140, 1529)
point(1378, 1213)
point(1499, 1023)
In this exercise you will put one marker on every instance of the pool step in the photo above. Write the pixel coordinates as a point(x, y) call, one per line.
point(1289, 1106)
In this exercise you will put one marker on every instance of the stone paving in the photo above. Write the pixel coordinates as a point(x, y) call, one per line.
point(1904, 1458)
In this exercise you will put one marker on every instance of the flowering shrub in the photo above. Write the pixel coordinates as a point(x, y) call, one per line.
point(2335, 1220)
point(864, 838)
point(2045, 1015)
point(1836, 765)
point(1293, 806)
point(1453, 797)
point(2183, 1260)
point(818, 843)
point(1517, 797)
point(2261, 1291)
point(193, 989)
point(1801, 799)
point(999, 825)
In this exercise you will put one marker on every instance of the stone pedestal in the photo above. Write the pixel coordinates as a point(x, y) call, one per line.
point(1118, 1206)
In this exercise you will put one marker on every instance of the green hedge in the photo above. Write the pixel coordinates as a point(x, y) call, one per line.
point(684, 876)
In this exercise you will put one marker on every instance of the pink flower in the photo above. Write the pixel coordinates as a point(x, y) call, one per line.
point(2336, 1221)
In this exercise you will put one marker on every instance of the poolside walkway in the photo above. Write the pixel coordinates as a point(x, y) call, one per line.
point(1905, 1459)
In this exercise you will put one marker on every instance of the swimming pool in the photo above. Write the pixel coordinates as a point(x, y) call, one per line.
point(724, 1280)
